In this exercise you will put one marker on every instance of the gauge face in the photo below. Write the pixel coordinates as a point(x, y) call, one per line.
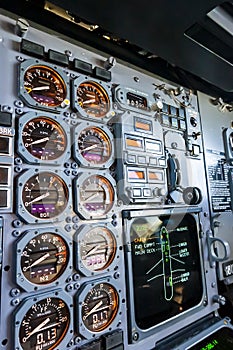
point(45, 85)
point(94, 145)
point(96, 195)
point(44, 325)
point(44, 138)
point(99, 307)
point(45, 195)
point(44, 258)
point(93, 99)
point(97, 249)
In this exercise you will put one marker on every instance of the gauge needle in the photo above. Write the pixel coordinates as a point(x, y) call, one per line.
point(89, 101)
point(88, 148)
point(37, 199)
point(39, 141)
point(91, 147)
point(94, 249)
point(36, 262)
point(92, 196)
point(38, 88)
point(95, 308)
point(38, 328)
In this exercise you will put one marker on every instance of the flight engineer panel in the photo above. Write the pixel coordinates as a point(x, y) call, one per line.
point(103, 202)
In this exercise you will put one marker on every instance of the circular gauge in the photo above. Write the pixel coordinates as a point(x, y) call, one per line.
point(96, 195)
point(44, 258)
point(97, 249)
point(44, 138)
point(45, 85)
point(99, 307)
point(93, 99)
point(94, 145)
point(44, 325)
point(45, 195)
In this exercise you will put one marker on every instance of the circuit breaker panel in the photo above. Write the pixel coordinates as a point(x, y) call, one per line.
point(104, 213)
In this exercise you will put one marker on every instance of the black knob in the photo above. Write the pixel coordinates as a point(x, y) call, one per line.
point(192, 195)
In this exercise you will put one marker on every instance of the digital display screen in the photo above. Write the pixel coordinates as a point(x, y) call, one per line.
point(3, 198)
point(231, 140)
point(155, 176)
point(219, 340)
point(134, 142)
point(136, 100)
point(4, 145)
point(166, 267)
point(143, 125)
point(4, 174)
point(136, 175)
point(153, 146)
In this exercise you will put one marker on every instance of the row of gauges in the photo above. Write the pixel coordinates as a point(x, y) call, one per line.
point(47, 87)
point(41, 138)
point(43, 322)
point(44, 257)
point(45, 196)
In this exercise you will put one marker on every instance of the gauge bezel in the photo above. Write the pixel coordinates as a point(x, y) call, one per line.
point(79, 208)
point(28, 100)
point(80, 297)
point(75, 105)
point(21, 209)
point(79, 236)
point(28, 235)
point(77, 155)
point(26, 155)
point(20, 312)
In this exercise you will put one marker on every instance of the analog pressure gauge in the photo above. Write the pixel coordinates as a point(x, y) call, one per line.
point(43, 85)
point(42, 137)
point(96, 196)
point(44, 258)
point(91, 98)
point(99, 307)
point(44, 195)
point(93, 146)
point(96, 248)
point(44, 325)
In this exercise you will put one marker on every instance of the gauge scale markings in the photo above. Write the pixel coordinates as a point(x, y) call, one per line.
point(44, 258)
point(44, 138)
point(44, 325)
point(100, 307)
point(44, 85)
point(93, 99)
point(45, 195)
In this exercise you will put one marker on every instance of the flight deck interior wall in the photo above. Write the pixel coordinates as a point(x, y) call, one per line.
point(109, 218)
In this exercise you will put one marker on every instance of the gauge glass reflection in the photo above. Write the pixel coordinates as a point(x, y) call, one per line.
point(93, 99)
point(97, 249)
point(44, 258)
point(44, 138)
point(94, 145)
point(45, 86)
point(96, 195)
point(44, 325)
point(100, 307)
point(45, 195)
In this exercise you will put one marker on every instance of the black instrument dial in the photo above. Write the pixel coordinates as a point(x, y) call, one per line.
point(44, 138)
point(45, 85)
point(44, 325)
point(97, 248)
point(94, 145)
point(96, 195)
point(45, 195)
point(44, 258)
point(100, 307)
point(93, 99)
